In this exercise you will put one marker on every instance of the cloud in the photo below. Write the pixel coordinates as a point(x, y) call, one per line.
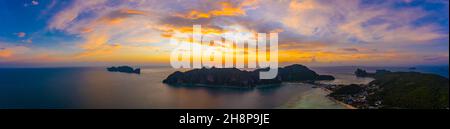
point(324, 30)
point(34, 2)
point(339, 57)
point(307, 16)
point(12, 52)
point(436, 58)
point(350, 49)
point(352, 21)
point(48, 8)
point(94, 41)
point(20, 34)
point(224, 9)
point(5, 53)
point(67, 17)
point(303, 46)
point(107, 31)
point(28, 40)
point(118, 16)
point(101, 51)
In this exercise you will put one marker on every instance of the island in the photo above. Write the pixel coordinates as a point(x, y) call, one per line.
point(241, 78)
point(363, 73)
point(124, 69)
point(395, 90)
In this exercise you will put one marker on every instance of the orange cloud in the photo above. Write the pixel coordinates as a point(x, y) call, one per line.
point(128, 54)
point(362, 57)
point(110, 26)
point(306, 16)
point(168, 30)
point(119, 16)
point(226, 9)
point(103, 51)
point(302, 46)
point(112, 18)
point(12, 52)
point(5, 53)
point(94, 41)
point(317, 31)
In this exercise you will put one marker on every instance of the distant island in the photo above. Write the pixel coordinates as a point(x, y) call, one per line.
point(364, 73)
point(124, 69)
point(411, 90)
point(412, 68)
point(242, 78)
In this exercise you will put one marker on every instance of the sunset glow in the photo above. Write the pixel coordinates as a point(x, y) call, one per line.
point(138, 32)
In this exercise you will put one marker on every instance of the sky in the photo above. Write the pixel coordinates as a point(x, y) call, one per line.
point(50, 33)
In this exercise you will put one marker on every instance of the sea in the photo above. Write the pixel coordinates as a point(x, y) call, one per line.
point(96, 88)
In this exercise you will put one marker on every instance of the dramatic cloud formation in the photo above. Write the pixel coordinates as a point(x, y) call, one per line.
point(319, 32)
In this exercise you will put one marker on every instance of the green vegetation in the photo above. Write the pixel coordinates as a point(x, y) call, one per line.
point(411, 90)
point(347, 90)
point(395, 90)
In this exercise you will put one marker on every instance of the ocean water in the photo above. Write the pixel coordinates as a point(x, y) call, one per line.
point(349, 70)
point(75, 88)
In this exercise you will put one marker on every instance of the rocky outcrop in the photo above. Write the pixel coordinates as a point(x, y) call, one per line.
point(124, 69)
point(236, 77)
point(362, 73)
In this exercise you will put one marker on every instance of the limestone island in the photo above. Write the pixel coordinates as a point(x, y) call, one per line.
point(242, 78)
point(124, 69)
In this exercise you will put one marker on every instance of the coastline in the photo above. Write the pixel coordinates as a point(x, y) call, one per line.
point(348, 106)
point(312, 98)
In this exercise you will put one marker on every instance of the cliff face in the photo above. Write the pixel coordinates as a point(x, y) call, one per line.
point(236, 77)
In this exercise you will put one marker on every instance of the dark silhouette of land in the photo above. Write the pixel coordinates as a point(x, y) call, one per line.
point(124, 69)
point(236, 77)
point(364, 73)
point(410, 90)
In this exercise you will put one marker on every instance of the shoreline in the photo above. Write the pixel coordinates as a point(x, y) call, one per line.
point(348, 106)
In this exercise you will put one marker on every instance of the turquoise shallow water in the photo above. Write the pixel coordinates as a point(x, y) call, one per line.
point(314, 98)
point(97, 88)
